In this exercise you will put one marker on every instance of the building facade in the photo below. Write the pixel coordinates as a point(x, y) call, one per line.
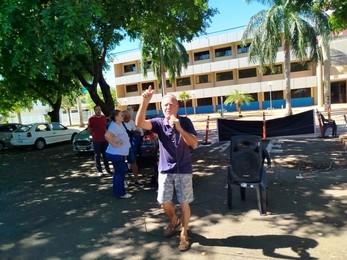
point(218, 65)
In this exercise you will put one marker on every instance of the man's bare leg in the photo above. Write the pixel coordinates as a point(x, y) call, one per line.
point(169, 209)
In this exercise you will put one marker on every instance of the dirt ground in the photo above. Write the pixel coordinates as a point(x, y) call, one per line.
point(53, 206)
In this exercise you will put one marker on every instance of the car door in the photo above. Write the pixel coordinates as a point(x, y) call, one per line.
point(60, 132)
point(43, 130)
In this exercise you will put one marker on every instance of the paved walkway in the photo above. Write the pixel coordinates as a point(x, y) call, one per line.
point(57, 208)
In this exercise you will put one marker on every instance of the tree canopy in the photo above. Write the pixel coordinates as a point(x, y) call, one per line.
point(50, 48)
point(162, 42)
point(336, 9)
point(184, 96)
point(238, 99)
point(297, 28)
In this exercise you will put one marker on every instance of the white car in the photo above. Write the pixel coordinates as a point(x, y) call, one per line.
point(41, 134)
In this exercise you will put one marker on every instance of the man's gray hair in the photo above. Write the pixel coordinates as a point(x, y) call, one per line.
point(171, 96)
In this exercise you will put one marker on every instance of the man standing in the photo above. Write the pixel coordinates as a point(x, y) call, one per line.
point(97, 125)
point(176, 136)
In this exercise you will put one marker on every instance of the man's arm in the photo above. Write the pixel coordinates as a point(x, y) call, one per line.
point(190, 139)
point(90, 129)
point(140, 119)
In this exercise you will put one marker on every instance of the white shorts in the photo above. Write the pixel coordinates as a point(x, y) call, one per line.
point(182, 184)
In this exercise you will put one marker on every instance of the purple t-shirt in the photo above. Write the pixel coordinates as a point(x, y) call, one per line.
point(174, 153)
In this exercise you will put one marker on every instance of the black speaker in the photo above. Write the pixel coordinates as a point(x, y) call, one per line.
point(246, 158)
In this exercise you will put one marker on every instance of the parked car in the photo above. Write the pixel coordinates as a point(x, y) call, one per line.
point(150, 145)
point(83, 142)
point(6, 131)
point(41, 134)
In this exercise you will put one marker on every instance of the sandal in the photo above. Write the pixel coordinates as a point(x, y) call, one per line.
point(184, 244)
point(170, 230)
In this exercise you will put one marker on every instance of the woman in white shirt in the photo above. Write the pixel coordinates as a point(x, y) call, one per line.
point(117, 150)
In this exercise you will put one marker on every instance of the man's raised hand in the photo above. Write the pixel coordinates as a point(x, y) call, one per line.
point(147, 95)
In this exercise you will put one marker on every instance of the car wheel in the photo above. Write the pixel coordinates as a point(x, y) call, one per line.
point(1, 146)
point(40, 144)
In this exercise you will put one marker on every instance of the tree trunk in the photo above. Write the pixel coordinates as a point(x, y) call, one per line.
point(239, 109)
point(19, 116)
point(326, 76)
point(79, 105)
point(185, 107)
point(69, 115)
point(163, 80)
point(320, 93)
point(106, 104)
point(54, 114)
point(288, 97)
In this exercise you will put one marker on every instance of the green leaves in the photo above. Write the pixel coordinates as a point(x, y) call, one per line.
point(238, 99)
point(48, 49)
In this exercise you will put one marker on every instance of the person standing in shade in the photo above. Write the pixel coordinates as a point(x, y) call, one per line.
point(176, 136)
point(136, 139)
point(117, 151)
point(97, 125)
point(130, 127)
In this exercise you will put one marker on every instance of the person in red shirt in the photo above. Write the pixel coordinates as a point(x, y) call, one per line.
point(97, 126)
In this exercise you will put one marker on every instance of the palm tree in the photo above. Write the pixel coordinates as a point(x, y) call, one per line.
point(285, 21)
point(166, 55)
point(185, 97)
point(239, 99)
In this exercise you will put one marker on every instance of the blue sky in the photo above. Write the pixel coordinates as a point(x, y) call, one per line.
point(232, 13)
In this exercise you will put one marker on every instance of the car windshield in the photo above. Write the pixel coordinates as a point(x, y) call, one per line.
point(83, 134)
point(24, 128)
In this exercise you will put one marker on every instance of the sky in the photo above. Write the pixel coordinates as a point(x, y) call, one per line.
point(232, 14)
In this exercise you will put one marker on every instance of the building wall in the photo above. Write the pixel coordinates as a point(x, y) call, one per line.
point(39, 114)
point(128, 72)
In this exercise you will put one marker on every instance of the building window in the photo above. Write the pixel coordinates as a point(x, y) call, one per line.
point(189, 103)
point(129, 68)
point(204, 102)
point(247, 73)
point(298, 66)
point(300, 93)
point(274, 95)
point(151, 106)
point(148, 64)
point(243, 48)
point(254, 96)
point(277, 69)
point(222, 52)
point(227, 75)
point(183, 82)
point(203, 55)
point(202, 79)
point(146, 85)
point(135, 106)
point(131, 88)
point(168, 84)
point(221, 99)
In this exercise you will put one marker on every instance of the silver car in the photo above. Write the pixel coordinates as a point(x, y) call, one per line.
point(83, 142)
point(6, 131)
